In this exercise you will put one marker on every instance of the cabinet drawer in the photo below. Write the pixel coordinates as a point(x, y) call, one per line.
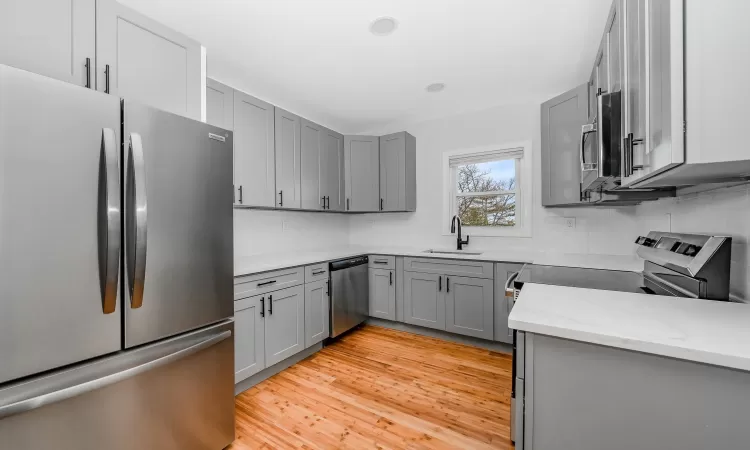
point(316, 272)
point(261, 283)
point(382, 262)
point(476, 269)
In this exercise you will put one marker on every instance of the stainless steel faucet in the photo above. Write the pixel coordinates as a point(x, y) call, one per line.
point(459, 243)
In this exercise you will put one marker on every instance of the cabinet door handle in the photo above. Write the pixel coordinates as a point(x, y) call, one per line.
point(88, 73)
point(266, 283)
point(281, 198)
point(390, 278)
point(240, 194)
point(381, 204)
point(440, 283)
point(234, 197)
point(106, 78)
point(328, 288)
point(262, 307)
point(347, 204)
point(270, 304)
point(323, 199)
point(328, 202)
point(379, 262)
point(447, 284)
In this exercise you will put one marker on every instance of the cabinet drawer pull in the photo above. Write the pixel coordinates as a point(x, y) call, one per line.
point(379, 262)
point(266, 283)
point(319, 272)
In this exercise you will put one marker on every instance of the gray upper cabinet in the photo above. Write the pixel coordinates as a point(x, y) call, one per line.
point(249, 337)
point(424, 300)
point(468, 306)
point(143, 60)
point(362, 160)
point(284, 324)
point(614, 43)
point(382, 293)
point(254, 148)
point(54, 38)
point(398, 165)
point(503, 303)
point(562, 118)
point(288, 160)
point(312, 154)
point(634, 98)
point(332, 170)
point(219, 105)
point(317, 312)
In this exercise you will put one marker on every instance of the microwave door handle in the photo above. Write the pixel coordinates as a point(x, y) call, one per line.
point(585, 130)
point(137, 211)
point(111, 216)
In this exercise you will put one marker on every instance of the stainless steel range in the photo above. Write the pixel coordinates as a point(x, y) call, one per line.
point(675, 264)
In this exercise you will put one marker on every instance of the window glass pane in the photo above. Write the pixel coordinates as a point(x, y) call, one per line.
point(488, 176)
point(487, 210)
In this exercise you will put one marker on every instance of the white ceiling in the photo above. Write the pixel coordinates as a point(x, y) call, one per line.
point(318, 58)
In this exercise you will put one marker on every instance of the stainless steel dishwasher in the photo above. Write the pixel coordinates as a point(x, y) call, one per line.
point(350, 294)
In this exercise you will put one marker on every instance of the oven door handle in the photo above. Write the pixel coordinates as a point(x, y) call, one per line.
point(510, 291)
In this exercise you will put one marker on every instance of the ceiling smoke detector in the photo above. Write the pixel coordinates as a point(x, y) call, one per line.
point(383, 26)
point(435, 87)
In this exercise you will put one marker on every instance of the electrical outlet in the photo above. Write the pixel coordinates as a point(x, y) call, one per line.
point(570, 223)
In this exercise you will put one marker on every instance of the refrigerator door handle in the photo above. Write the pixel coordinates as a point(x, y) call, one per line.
point(70, 387)
point(137, 220)
point(110, 266)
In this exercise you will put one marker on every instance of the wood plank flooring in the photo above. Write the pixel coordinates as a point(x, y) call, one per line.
point(381, 388)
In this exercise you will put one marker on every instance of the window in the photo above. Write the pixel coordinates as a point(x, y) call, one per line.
point(485, 189)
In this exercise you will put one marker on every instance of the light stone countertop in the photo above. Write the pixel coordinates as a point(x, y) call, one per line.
point(703, 331)
point(266, 262)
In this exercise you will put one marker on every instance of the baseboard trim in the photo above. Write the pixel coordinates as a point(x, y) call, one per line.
point(268, 372)
point(500, 347)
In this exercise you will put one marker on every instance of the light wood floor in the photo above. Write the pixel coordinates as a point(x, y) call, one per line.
point(381, 388)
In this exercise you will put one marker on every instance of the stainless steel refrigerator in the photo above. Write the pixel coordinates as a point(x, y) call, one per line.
point(116, 301)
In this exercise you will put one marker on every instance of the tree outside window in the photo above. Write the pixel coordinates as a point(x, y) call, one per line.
point(486, 193)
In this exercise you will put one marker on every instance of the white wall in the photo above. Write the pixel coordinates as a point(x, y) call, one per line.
point(261, 232)
point(598, 230)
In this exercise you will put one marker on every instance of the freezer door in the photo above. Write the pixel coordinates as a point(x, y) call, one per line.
point(178, 224)
point(177, 394)
point(59, 223)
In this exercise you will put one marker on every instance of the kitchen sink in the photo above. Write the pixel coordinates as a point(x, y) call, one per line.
point(452, 252)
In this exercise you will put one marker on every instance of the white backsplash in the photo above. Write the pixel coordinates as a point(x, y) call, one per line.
point(597, 230)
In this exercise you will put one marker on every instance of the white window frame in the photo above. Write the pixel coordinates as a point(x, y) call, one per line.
point(523, 193)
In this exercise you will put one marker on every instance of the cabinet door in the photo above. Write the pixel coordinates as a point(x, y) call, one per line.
point(254, 166)
point(614, 40)
point(362, 160)
point(317, 312)
point(634, 104)
point(392, 149)
point(503, 304)
point(382, 294)
point(288, 163)
point(424, 299)
point(312, 141)
point(219, 105)
point(50, 37)
point(562, 119)
point(332, 170)
point(249, 337)
point(285, 324)
point(468, 306)
point(143, 60)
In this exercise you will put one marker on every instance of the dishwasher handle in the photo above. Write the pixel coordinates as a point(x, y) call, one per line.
point(347, 263)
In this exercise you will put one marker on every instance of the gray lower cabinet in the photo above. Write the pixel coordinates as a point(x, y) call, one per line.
point(424, 300)
point(317, 312)
point(503, 303)
point(562, 118)
point(398, 167)
point(468, 306)
point(249, 337)
point(254, 150)
point(288, 160)
point(50, 37)
point(219, 105)
point(144, 61)
point(362, 183)
point(285, 324)
point(382, 293)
